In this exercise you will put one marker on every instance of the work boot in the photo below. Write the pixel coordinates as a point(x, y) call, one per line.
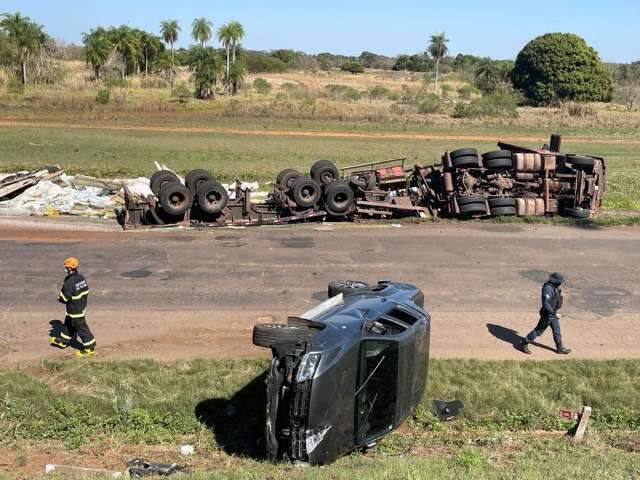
point(58, 342)
point(85, 352)
point(563, 351)
point(524, 347)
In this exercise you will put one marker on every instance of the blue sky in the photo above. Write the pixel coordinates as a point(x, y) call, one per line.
point(497, 28)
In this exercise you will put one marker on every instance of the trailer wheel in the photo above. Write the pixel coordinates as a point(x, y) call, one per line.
point(468, 199)
point(268, 334)
point(195, 178)
point(287, 177)
point(159, 178)
point(324, 172)
point(497, 159)
point(580, 163)
point(306, 192)
point(503, 211)
point(175, 199)
point(577, 212)
point(339, 197)
point(500, 202)
point(473, 209)
point(212, 197)
point(346, 287)
point(464, 152)
point(466, 161)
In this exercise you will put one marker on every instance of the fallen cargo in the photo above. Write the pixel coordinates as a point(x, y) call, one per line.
point(513, 180)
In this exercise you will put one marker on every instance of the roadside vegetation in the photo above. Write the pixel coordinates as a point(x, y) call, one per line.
point(100, 411)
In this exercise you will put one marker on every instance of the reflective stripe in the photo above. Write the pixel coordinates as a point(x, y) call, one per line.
point(66, 337)
point(76, 315)
point(90, 342)
point(80, 295)
point(63, 297)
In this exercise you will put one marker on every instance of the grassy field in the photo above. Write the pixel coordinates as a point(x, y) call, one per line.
point(97, 413)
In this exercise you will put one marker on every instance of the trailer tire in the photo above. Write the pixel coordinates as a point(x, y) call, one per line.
point(498, 159)
point(464, 152)
point(212, 197)
point(159, 178)
point(580, 163)
point(469, 199)
point(466, 161)
point(501, 202)
point(269, 334)
point(473, 209)
point(175, 199)
point(503, 211)
point(287, 177)
point(346, 287)
point(306, 192)
point(195, 178)
point(577, 212)
point(324, 172)
point(339, 197)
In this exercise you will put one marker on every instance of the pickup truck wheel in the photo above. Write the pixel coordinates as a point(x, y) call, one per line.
point(466, 161)
point(175, 199)
point(346, 287)
point(324, 172)
point(287, 177)
point(212, 197)
point(195, 178)
point(339, 197)
point(268, 334)
point(159, 178)
point(306, 192)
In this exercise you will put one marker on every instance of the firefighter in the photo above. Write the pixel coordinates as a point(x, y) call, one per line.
point(74, 295)
point(549, 316)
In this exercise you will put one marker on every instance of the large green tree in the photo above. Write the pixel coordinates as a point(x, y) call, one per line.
point(97, 49)
point(201, 30)
point(169, 29)
point(25, 36)
point(126, 41)
point(150, 48)
point(206, 67)
point(561, 66)
point(438, 49)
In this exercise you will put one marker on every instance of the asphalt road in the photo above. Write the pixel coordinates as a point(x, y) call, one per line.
point(197, 293)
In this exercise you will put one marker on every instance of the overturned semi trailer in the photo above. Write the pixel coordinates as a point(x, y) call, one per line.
point(512, 180)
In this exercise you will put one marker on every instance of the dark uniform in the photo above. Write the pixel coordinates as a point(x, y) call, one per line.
point(551, 302)
point(74, 294)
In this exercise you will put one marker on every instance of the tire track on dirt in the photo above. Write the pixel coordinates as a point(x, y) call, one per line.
point(311, 133)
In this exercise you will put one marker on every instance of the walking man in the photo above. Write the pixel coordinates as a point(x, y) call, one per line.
point(74, 295)
point(549, 316)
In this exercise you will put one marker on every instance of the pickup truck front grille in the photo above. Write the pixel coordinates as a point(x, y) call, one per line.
point(299, 420)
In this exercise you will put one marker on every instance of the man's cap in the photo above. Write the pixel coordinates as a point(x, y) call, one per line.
point(71, 262)
point(556, 277)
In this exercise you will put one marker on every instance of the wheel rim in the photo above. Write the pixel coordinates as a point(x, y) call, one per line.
point(352, 284)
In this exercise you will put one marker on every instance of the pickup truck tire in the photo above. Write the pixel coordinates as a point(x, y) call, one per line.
point(466, 161)
point(287, 177)
point(580, 163)
point(306, 192)
point(175, 199)
point(159, 178)
point(324, 172)
point(268, 334)
point(464, 152)
point(339, 197)
point(346, 287)
point(469, 199)
point(212, 197)
point(196, 177)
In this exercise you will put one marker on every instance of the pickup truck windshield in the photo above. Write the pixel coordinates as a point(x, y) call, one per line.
point(376, 390)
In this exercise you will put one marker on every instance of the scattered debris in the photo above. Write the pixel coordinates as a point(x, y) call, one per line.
point(447, 411)
point(139, 467)
point(186, 450)
point(578, 431)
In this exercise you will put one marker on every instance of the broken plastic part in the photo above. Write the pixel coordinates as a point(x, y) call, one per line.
point(314, 437)
point(307, 367)
point(447, 411)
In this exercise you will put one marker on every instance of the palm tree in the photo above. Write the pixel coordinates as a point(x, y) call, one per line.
point(25, 35)
point(438, 50)
point(97, 49)
point(126, 41)
point(170, 30)
point(236, 77)
point(201, 30)
point(237, 32)
point(206, 66)
point(151, 47)
point(225, 36)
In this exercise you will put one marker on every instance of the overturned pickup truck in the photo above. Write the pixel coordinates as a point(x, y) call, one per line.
point(346, 372)
point(513, 180)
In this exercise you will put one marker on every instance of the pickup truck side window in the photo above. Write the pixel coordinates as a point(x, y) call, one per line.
point(376, 392)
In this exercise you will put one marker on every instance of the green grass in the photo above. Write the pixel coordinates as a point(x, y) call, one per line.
point(103, 406)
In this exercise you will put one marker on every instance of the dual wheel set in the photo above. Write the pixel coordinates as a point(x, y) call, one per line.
point(323, 187)
point(200, 191)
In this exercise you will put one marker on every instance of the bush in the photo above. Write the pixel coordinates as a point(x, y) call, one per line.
point(153, 82)
point(352, 67)
point(15, 86)
point(580, 110)
point(182, 93)
point(115, 82)
point(342, 92)
point(502, 103)
point(377, 92)
point(429, 103)
point(467, 91)
point(561, 66)
point(259, 62)
point(262, 86)
point(103, 96)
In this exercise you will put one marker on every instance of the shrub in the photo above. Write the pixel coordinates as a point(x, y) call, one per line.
point(580, 110)
point(115, 82)
point(429, 103)
point(352, 67)
point(15, 86)
point(491, 75)
point(259, 62)
point(501, 103)
point(103, 96)
point(182, 93)
point(342, 92)
point(561, 66)
point(262, 86)
point(153, 82)
point(467, 91)
point(377, 92)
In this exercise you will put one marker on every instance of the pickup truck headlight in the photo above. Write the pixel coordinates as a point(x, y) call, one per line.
point(314, 437)
point(307, 367)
